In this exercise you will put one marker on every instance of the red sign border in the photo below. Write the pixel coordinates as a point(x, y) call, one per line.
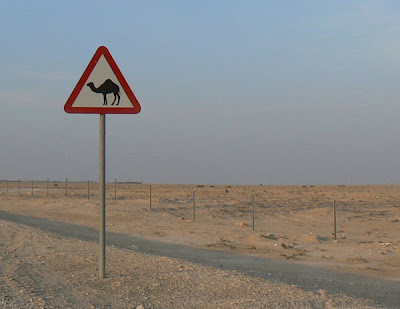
point(102, 50)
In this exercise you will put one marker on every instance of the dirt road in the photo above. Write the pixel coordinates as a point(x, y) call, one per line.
point(248, 281)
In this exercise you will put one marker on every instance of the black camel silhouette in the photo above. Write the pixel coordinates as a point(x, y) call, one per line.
point(107, 87)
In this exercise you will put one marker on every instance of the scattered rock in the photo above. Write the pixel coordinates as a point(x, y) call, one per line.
point(288, 257)
point(241, 224)
point(286, 246)
point(357, 259)
point(269, 236)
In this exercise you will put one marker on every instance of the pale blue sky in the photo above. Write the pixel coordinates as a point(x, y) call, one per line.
point(239, 92)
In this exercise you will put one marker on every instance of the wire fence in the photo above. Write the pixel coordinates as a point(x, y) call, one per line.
point(251, 206)
point(330, 212)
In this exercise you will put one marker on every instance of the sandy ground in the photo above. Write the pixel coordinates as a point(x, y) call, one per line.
point(164, 259)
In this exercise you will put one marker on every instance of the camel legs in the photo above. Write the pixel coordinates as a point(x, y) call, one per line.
point(105, 99)
point(115, 98)
point(119, 97)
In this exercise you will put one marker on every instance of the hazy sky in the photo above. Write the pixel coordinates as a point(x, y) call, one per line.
point(232, 92)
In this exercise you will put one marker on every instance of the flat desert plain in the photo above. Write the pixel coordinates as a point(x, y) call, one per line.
point(197, 246)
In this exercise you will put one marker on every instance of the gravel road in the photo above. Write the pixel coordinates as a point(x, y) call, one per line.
point(51, 264)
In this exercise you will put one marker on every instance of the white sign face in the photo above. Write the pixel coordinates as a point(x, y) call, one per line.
point(102, 89)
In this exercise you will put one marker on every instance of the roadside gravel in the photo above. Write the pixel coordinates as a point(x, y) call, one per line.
point(45, 270)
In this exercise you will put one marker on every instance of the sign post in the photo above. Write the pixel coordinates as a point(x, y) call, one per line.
point(102, 175)
point(101, 82)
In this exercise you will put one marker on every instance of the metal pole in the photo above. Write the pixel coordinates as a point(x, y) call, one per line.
point(88, 190)
point(102, 174)
point(150, 198)
point(254, 214)
point(334, 219)
point(66, 187)
point(194, 204)
point(115, 190)
point(47, 187)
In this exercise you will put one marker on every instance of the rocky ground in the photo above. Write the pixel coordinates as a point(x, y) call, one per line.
point(44, 270)
point(165, 259)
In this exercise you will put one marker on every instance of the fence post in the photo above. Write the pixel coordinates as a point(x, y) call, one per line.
point(334, 220)
point(88, 192)
point(47, 187)
point(32, 187)
point(254, 214)
point(150, 197)
point(7, 186)
point(19, 186)
point(115, 190)
point(194, 204)
point(66, 187)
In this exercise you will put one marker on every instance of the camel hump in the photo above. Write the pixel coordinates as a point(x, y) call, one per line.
point(109, 82)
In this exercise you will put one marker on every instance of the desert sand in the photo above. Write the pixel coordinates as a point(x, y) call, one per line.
point(176, 257)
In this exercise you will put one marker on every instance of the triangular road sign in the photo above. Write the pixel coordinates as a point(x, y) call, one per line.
point(102, 89)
